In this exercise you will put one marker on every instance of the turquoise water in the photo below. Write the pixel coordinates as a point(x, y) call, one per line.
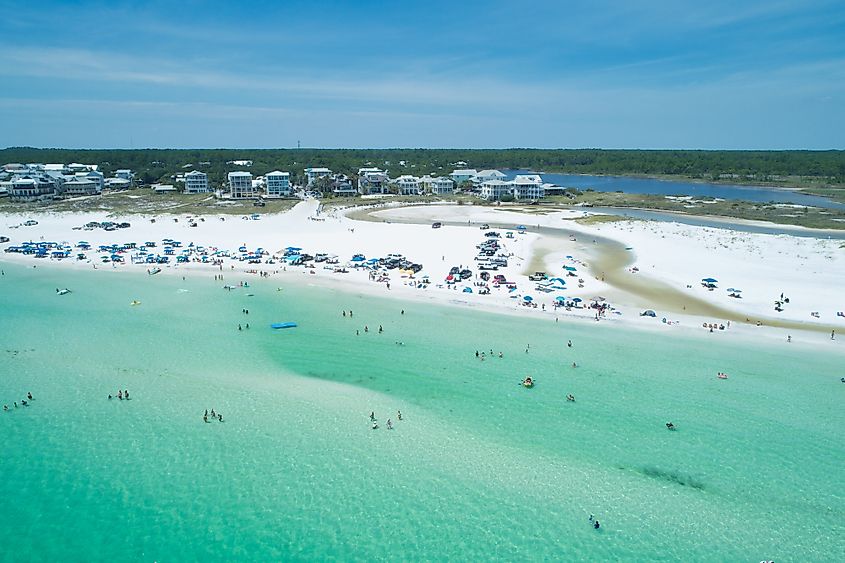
point(480, 467)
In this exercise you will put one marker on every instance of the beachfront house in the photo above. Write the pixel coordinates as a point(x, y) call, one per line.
point(311, 175)
point(528, 186)
point(462, 175)
point(441, 186)
point(117, 184)
point(342, 186)
point(79, 186)
point(372, 181)
point(196, 182)
point(164, 189)
point(408, 185)
point(486, 175)
point(495, 190)
point(277, 184)
point(240, 185)
point(125, 174)
point(29, 188)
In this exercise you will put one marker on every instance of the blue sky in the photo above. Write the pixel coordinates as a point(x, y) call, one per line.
point(650, 74)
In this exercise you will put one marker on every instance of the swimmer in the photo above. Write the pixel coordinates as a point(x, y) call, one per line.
point(569, 344)
point(596, 525)
point(24, 403)
point(110, 397)
point(126, 394)
point(399, 415)
point(389, 424)
point(670, 426)
point(372, 415)
point(220, 417)
point(375, 425)
point(574, 365)
point(205, 418)
point(5, 407)
point(29, 396)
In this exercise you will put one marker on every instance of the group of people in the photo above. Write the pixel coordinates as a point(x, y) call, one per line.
point(482, 355)
point(389, 423)
point(24, 402)
point(121, 394)
point(214, 415)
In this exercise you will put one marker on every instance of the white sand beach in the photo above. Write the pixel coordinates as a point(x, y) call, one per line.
point(670, 258)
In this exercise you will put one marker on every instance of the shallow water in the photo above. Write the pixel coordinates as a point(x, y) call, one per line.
point(480, 467)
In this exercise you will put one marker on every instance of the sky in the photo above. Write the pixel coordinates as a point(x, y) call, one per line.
point(715, 74)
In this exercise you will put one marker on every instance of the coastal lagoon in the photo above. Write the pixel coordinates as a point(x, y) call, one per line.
point(654, 186)
point(479, 468)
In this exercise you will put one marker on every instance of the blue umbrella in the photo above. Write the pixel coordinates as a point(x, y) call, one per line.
point(734, 290)
point(577, 299)
point(521, 227)
point(528, 298)
point(568, 256)
point(709, 280)
point(294, 248)
point(560, 298)
point(358, 258)
point(570, 268)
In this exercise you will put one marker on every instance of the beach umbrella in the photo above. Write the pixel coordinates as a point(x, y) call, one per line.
point(734, 290)
point(709, 280)
point(560, 298)
point(570, 268)
point(559, 280)
point(568, 256)
point(528, 298)
point(577, 299)
point(599, 299)
point(293, 248)
point(358, 258)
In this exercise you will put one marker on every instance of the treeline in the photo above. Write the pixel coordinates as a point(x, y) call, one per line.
point(159, 165)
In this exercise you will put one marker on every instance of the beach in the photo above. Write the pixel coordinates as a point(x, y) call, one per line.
point(634, 266)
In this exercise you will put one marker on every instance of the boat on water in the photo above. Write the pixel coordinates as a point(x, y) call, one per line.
point(283, 325)
point(722, 375)
point(64, 291)
point(153, 271)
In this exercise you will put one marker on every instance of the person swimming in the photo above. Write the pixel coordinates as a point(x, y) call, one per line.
point(399, 415)
point(670, 426)
point(219, 417)
point(389, 424)
point(372, 416)
point(375, 425)
point(29, 396)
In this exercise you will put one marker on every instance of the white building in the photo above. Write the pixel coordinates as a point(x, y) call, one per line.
point(528, 186)
point(95, 176)
point(462, 175)
point(118, 184)
point(372, 181)
point(486, 175)
point(196, 182)
point(240, 185)
point(311, 174)
point(125, 174)
point(494, 190)
point(442, 186)
point(246, 163)
point(80, 185)
point(409, 185)
point(32, 188)
point(277, 183)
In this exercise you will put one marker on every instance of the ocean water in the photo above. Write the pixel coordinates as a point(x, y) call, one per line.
point(480, 468)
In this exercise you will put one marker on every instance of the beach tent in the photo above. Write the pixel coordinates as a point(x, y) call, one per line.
point(648, 313)
point(558, 280)
point(467, 290)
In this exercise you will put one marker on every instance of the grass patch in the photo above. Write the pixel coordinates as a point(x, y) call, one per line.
point(599, 219)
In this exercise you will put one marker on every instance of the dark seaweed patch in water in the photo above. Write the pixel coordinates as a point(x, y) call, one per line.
point(673, 477)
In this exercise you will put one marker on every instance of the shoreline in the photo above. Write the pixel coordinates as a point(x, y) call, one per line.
point(405, 228)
